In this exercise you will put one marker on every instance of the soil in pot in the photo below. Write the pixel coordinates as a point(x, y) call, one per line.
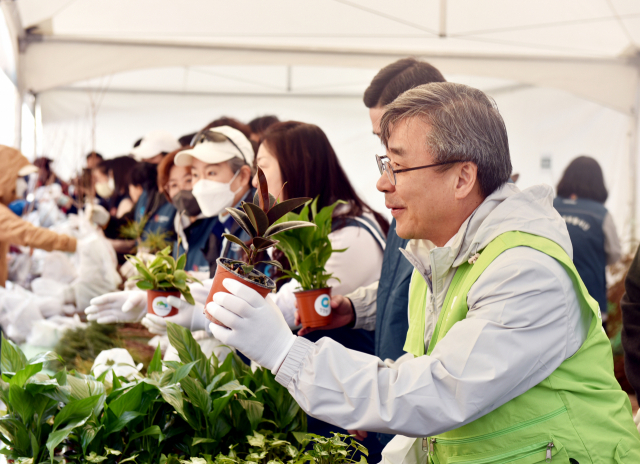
point(228, 270)
point(158, 303)
point(314, 307)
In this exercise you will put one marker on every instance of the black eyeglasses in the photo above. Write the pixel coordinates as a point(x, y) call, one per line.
point(384, 166)
point(216, 137)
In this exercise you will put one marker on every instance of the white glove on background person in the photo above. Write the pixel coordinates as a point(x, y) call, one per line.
point(255, 325)
point(111, 308)
point(190, 316)
point(97, 214)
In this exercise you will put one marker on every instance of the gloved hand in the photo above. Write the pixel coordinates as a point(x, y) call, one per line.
point(111, 308)
point(254, 325)
point(190, 316)
point(97, 214)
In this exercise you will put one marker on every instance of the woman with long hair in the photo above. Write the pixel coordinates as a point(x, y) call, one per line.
point(580, 201)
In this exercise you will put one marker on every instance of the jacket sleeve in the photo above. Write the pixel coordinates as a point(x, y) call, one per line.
point(611, 241)
point(365, 306)
point(630, 305)
point(18, 232)
point(524, 321)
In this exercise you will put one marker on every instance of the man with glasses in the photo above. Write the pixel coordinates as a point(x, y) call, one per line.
point(510, 360)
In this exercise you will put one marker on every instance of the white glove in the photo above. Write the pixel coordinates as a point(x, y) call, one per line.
point(190, 316)
point(97, 214)
point(254, 325)
point(111, 308)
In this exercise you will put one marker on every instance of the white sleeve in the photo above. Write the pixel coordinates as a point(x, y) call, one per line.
point(359, 265)
point(611, 241)
point(365, 307)
point(524, 321)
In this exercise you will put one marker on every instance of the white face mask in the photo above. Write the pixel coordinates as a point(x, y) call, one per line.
point(106, 189)
point(213, 197)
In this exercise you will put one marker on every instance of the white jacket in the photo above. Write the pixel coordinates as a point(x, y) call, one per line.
point(524, 320)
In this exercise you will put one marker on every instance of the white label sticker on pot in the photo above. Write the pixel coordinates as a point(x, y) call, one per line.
point(161, 306)
point(322, 305)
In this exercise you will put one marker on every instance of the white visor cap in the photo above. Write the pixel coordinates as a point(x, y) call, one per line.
point(236, 145)
point(155, 143)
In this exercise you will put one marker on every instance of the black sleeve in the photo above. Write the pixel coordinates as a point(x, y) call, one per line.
point(630, 305)
point(112, 230)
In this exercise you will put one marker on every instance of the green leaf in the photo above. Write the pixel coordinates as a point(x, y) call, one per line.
point(254, 410)
point(156, 362)
point(242, 220)
point(198, 440)
point(196, 394)
point(22, 403)
point(12, 359)
point(123, 421)
point(144, 285)
point(129, 401)
point(182, 261)
point(285, 207)
point(233, 387)
point(154, 431)
point(58, 436)
point(75, 410)
point(45, 357)
point(87, 436)
point(23, 374)
point(130, 458)
point(283, 226)
point(236, 240)
point(189, 350)
point(258, 218)
point(183, 371)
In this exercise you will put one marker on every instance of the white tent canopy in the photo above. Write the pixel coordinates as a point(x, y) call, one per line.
point(242, 58)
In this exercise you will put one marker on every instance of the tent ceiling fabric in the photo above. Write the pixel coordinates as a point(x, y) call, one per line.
point(588, 47)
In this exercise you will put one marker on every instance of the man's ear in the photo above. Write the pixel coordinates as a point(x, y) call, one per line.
point(245, 175)
point(467, 180)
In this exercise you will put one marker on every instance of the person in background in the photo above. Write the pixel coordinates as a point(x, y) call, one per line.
point(14, 230)
point(259, 126)
point(111, 183)
point(93, 159)
point(630, 305)
point(299, 161)
point(383, 305)
point(580, 202)
point(149, 202)
point(154, 146)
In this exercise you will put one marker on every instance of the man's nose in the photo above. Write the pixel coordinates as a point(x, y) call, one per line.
point(384, 185)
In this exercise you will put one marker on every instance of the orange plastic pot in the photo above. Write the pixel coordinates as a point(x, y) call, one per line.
point(314, 307)
point(224, 272)
point(158, 303)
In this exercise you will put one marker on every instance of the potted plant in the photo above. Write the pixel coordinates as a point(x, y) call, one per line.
point(260, 220)
point(163, 277)
point(308, 251)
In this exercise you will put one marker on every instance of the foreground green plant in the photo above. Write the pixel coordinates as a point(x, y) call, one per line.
point(194, 408)
point(309, 249)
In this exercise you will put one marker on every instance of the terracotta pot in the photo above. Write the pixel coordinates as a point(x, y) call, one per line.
point(158, 304)
point(314, 307)
point(224, 272)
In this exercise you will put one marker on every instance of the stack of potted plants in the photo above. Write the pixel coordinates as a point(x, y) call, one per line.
point(161, 278)
point(308, 251)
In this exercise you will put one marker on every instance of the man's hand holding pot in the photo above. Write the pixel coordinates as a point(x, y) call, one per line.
point(342, 312)
point(254, 325)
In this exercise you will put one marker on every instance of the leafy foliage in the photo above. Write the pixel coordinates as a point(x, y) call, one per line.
point(192, 409)
point(260, 220)
point(163, 273)
point(308, 250)
point(153, 242)
point(133, 230)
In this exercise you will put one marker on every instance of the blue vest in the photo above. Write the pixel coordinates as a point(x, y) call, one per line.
point(160, 218)
point(197, 236)
point(584, 220)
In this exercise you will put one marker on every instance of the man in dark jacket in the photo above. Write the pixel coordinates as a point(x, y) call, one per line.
point(383, 305)
point(630, 305)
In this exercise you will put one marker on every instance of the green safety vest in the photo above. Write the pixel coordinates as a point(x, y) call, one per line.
point(578, 412)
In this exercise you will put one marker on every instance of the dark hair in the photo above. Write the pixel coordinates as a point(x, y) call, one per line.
point(164, 171)
point(145, 175)
point(583, 178)
point(310, 167)
point(185, 140)
point(261, 124)
point(94, 153)
point(398, 77)
point(120, 168)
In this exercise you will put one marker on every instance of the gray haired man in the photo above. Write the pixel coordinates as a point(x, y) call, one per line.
point(508, 361)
